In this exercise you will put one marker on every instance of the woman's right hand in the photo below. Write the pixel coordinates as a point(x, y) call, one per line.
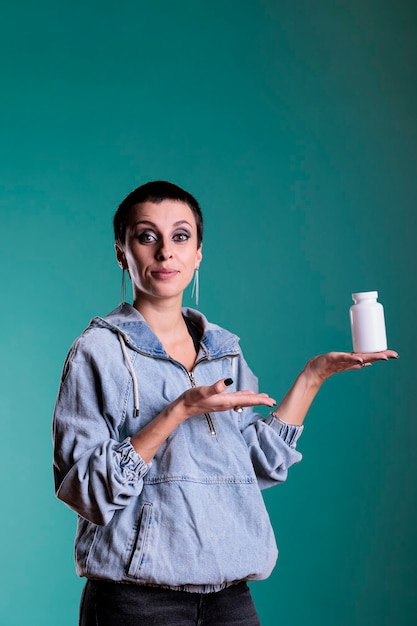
point(212, 398)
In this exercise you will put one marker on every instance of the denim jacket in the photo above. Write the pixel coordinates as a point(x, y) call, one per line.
point(194, 518)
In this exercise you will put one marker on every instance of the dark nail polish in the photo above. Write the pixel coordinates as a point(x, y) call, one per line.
point(228, 382)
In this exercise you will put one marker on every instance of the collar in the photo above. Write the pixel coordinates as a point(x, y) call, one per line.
point(216, 342)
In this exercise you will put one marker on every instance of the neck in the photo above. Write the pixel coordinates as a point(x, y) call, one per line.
point(164, 317)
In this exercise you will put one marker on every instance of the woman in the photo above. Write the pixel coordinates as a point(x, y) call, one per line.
point(157, 446)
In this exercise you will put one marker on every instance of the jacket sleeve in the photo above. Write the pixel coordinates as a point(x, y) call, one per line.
point(95, 473)
point(271, 443)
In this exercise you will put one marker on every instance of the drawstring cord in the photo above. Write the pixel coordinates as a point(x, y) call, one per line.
point(133, 375)
point(234, 366)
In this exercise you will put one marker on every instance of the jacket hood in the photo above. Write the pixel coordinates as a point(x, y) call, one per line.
point(125, 320)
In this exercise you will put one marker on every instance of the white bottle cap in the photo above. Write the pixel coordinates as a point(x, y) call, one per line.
point(364, 295)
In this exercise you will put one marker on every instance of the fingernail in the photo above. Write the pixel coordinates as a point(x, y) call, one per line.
point(228, 382)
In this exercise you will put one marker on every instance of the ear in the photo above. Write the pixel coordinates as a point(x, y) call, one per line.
point(120, 255)
point(199, 255)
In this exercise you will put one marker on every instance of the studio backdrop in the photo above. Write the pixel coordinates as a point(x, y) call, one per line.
point(294, 124)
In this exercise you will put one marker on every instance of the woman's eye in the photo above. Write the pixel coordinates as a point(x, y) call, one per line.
point(181, 237)
point(146, 237)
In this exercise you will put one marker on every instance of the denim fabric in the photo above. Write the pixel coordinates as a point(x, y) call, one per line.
point(115, 604)
point(193, 519)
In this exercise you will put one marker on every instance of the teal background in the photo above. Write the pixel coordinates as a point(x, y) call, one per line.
point(294, 123)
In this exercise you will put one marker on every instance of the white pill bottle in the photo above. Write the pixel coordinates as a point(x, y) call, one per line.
point(367, 323)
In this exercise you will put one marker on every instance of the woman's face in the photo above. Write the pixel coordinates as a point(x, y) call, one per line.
point(160, 250)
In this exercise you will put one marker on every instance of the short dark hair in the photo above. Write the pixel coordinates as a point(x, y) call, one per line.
point(155, 191)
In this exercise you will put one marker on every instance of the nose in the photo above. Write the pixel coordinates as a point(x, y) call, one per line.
point(164, 250)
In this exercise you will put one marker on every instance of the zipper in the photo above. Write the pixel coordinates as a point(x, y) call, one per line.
point(206, 415)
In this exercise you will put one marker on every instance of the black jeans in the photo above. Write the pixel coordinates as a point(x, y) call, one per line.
point(115, 604)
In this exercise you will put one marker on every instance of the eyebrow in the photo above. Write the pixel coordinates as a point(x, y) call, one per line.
point(178, 223)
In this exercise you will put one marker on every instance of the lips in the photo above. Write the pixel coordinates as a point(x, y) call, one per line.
point(164, 273)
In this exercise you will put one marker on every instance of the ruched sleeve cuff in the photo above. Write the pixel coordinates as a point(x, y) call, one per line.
point(131, 466)
point(288, 432)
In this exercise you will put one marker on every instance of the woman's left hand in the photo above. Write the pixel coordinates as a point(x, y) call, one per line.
point(323, 366)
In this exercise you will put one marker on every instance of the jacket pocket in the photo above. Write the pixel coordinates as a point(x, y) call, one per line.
point(141, 535)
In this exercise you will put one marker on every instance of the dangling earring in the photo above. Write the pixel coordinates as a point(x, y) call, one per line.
point(123, 289)
point(195, 287)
